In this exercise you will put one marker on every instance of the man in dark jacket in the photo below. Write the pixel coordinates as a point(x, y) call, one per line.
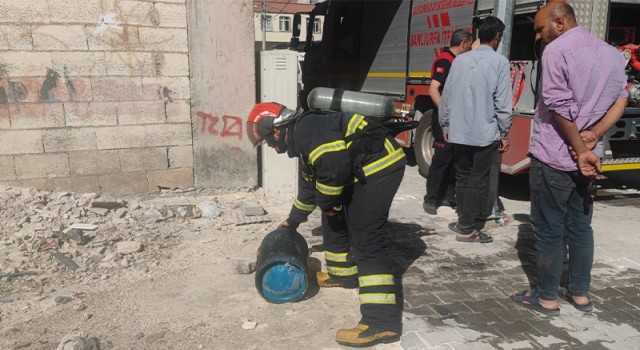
point(441, 176)
point(353, 180)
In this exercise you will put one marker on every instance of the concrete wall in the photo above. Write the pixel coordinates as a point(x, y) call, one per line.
point(221, 39)
point(95, 95)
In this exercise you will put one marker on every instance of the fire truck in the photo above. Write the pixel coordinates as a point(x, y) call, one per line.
point(388, 46)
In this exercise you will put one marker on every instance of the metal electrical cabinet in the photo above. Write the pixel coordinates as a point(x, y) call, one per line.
point(279, 83)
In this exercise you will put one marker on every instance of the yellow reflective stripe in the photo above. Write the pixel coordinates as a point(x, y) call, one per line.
point(378, 298)
point(304, 207)
point(335, 257)
point(356, 119)
point(307, 177)
point(358, 123)
point(342, 271)
point(329, 190)
point(327, 147)
point(388, 145)
point(383, 162)
point(375, 280)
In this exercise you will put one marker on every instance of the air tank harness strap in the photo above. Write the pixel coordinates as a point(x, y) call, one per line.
point(336, 101)
point(371, 140)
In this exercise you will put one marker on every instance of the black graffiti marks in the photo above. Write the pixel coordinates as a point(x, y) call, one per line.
point(69, 83)
point(17, 91)
point(50, 82)
point(166, 93)
point(3, 96)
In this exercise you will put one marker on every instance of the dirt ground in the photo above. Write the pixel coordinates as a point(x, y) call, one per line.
point(154, 275)
point(179, 292)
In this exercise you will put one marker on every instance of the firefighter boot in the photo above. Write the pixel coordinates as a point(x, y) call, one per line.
point(363, 336)
point(326, 281)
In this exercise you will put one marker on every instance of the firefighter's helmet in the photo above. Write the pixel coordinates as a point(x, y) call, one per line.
point(267, 122)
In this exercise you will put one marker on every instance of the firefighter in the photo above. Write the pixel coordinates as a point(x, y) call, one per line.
point(353, 179)
point(441, 174)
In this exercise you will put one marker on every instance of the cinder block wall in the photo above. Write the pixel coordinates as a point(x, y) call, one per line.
point(95, 95)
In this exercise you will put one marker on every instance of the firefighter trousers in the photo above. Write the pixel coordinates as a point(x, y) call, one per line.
point(366, 212)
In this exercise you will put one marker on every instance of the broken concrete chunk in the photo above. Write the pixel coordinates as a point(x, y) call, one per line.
point(251, 208)
point(209, 210)
point(61, 300)
point(74, 234)
point(241, 219)
point(153, 214)
point(72, 265)
point(120, 213)
point(107, 202)
point(110, 257)
point(129, 247)
point(86, 227)
point(99, 211)
point(249, 325)
point(244, 266)
point(78, 342)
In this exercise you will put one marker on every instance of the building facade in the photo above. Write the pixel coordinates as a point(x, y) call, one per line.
point(277, 25)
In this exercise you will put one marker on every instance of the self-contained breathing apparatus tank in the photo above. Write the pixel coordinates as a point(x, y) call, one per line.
point(369, 105)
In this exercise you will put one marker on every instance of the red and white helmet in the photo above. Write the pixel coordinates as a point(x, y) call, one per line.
point(265, 117)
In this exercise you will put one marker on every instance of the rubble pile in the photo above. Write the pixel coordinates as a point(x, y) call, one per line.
point(44, 233)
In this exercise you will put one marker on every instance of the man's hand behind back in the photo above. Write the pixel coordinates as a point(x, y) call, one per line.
point(504, 146)
point(590, 140)
point(589, 164)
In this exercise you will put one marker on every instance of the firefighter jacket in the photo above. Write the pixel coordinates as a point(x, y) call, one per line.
point(336, 150)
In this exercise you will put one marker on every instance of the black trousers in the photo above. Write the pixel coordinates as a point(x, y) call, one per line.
point(441, 176)
point(366, 212)
point(473, 183)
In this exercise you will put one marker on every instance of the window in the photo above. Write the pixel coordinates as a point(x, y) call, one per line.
point(285, 24)
point(317, 26)
point(268, 25)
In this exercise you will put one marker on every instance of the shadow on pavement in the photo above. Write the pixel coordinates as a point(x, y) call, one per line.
point(405, 245)
point(528, 252)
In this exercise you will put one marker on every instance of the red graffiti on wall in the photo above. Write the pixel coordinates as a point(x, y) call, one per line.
point(231, 126)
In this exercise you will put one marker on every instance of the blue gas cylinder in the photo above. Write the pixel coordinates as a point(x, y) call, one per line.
point(281, 267)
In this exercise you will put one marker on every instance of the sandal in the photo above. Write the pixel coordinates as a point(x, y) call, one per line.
point(532, 302)
point(454, 227)
point(476, 237)
point(565, 294)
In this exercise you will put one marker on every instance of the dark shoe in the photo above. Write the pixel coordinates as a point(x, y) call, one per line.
point(565, 294)
point(454, 227)
point(475, 237)
point(327, 281)
point(430, 208)
point(363, 336)
point(529, 299)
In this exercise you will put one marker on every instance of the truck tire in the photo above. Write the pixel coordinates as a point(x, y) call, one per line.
point(423, 144)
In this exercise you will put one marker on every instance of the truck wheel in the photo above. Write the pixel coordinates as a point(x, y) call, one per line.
point(423, 143)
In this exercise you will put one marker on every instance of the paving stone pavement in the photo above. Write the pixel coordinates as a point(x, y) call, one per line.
point(456, 295)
